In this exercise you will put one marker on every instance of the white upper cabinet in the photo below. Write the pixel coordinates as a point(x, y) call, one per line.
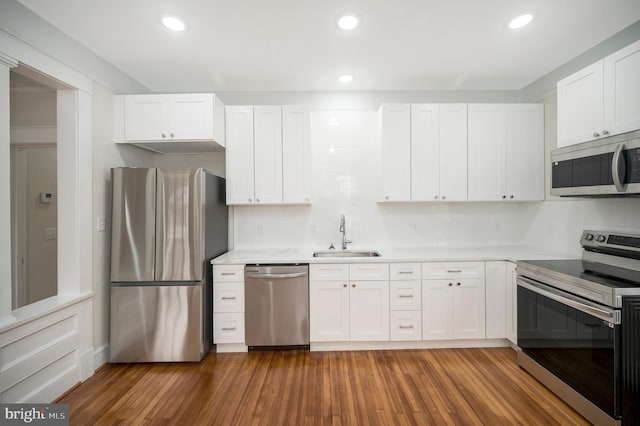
point(525, 152)
point(580, 105)
point(487, 152)
point(267, 143)
point(506, 152)
point(268, 156)
point(151, 120)
point(424, 152)
point(622, 90)
point(602, 99)
point(395, 121)
point(453, 152)
point(296, 155)
point(240, 155)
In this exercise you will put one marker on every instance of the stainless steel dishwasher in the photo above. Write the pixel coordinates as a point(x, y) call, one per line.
point(276, 305)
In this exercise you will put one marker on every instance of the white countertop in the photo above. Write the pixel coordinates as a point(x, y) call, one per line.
point(406, 254)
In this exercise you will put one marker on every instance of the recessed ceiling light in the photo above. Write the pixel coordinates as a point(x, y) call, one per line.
point(345, 79)
point(348, 22)
point(173, 23)
point(520, 21)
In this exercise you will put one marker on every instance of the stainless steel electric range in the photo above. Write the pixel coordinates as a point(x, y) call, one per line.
point(579, 326)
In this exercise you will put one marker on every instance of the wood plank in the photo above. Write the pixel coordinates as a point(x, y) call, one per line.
point(402, 387)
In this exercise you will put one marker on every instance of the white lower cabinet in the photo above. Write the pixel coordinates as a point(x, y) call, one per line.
point(343, 306)
point(369, 311)
point(329, 310)
point(405, 292)
point(453, 307)
point(496, 294)
point(512, 303)
point(228, 327)
point(228, 304)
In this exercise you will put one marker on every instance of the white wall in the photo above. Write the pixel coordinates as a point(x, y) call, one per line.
point(558, 223)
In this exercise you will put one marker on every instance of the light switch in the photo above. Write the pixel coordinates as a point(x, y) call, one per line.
point(100, 224)
point(50, 233)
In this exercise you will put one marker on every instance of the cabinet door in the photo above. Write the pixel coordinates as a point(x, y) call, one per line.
point(622, 90)
point(395, 120)
point(437, 309)
point(268, 154)
point(191, 116)
point(369, 310)
point(146, 117)
point(453, 152)
point(469, 308)
point(525, 152)
point(425, 152)
point(512, 303)
point(580, 105)
point(296, 155)
point(487, 153)
point(329, 311)
point(496, 299)
point(239, 155)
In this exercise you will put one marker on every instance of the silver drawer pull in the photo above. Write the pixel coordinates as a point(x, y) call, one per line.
point(228, 273)
point(406, 326)
point(405, 272)
point(405, 295)
point(228, 298)
point(454, 270)
point(228, 328)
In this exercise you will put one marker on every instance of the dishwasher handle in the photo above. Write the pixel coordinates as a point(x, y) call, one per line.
point(275, 276)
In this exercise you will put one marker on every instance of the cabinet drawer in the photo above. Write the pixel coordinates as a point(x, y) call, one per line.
point(369, 272)
point(405, 295)
point(405, 325)
point(404, 271)
point(331, 272)
point(228, 297)
point(446, 270)
point(228, 273)
point(228, 328)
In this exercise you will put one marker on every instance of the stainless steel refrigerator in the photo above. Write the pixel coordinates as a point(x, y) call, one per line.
point(167, 224)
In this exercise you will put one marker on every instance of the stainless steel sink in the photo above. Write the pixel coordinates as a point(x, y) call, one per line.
point(346, 253)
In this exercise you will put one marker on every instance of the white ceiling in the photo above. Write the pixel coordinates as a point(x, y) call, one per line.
point(279, 45)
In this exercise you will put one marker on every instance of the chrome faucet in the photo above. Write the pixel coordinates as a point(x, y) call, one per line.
point(343, 229)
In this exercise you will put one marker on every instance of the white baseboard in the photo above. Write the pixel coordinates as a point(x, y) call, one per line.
point(101, 356)
point(86, 364)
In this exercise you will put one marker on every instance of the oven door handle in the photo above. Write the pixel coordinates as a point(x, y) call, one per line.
point(611, 316)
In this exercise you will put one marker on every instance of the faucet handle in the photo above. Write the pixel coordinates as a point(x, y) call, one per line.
point(331, 247)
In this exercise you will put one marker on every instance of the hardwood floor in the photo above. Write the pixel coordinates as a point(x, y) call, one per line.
point(410, 387)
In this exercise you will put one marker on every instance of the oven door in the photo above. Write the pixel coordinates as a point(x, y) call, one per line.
point(575, 339)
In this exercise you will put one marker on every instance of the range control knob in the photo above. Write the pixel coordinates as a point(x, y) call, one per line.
point(600, 238)
point(588, 237)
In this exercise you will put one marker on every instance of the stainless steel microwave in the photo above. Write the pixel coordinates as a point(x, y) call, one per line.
point(608, 167)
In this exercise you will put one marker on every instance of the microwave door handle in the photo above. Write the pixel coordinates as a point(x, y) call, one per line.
point(618, 168)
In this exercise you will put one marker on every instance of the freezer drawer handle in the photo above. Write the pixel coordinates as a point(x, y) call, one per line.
point(228, 298)
point(228, 328)
point(406, 326)
point(405, 295)
point(277, 276)
point(228, 273)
